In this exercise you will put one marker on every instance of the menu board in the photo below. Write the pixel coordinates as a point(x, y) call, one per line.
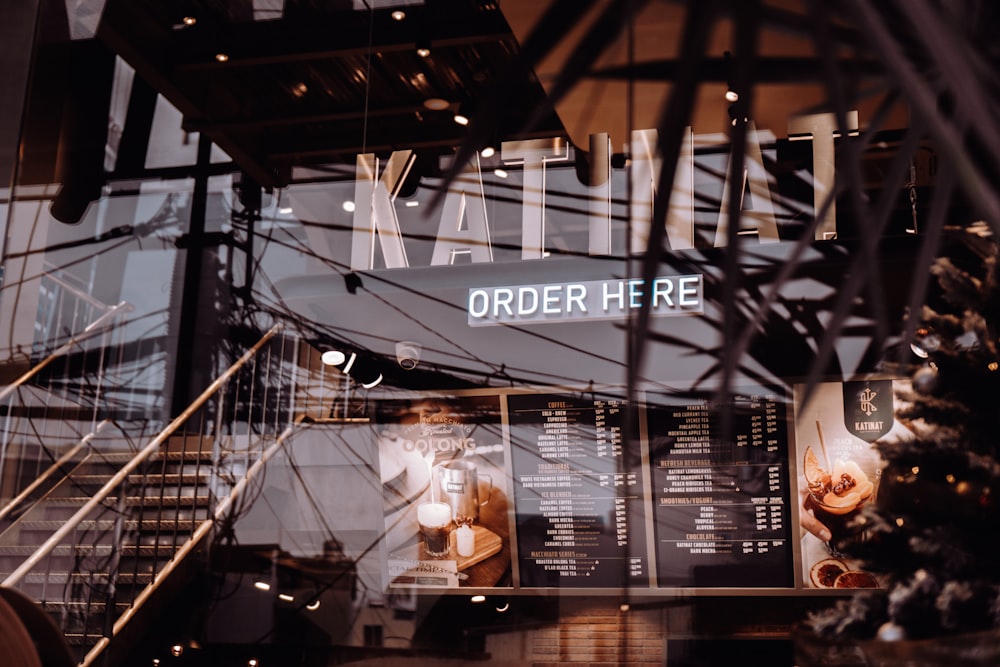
point(578, 492)
point(721, 506)
point(583, 491)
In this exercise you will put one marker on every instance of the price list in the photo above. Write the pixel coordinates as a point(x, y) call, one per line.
point(721, 506)
point(578, 494)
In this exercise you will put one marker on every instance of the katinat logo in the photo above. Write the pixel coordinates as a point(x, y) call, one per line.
point(866, 402)
point(868, 408)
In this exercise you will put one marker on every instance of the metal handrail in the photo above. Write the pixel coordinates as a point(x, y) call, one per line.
point(123, 306)
point(41, 479)
point(76, 291)
point(154, 445)
point(199, 534)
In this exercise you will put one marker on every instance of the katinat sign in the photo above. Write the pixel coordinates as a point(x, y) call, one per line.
point(464, 226)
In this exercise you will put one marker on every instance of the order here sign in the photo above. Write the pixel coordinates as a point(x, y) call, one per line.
point(587, 300)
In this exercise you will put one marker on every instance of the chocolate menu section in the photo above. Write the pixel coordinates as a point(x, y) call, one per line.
point(721, 505)
point(578, 495)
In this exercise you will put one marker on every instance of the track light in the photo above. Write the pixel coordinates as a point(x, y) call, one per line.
point(423, 47)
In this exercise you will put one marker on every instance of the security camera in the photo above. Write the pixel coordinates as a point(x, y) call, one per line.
point(407, 354)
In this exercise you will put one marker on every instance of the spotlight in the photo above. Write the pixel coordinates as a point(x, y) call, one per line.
point(500, 173)
point(222, 57)
point(374, 383)
point(408, 354)
point(489, 151)
point(333, 357)
point(262, 586)
point(476, 599)
point(461, 119)
point(398, 15)
point(423, 47)
point(176, 650)
point(350, 363)
point(348, 206)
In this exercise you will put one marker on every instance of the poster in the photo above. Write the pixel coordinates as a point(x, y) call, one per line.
point(839, 472)
point(441, 464)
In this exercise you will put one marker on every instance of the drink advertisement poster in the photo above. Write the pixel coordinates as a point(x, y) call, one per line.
point(441, 465)
point(839, 471)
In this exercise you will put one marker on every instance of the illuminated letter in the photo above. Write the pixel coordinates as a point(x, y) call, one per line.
point(534, 154)
point(620, 296)
point(464, 201)
point(550, 299)
point(576, 294)
point(689, 288)
point(822, 128)
point(374, 212)
point(599, 194)
point(646, 167)
point(485, 297)
point(522, 308)
point(665, 293)
point(756, 177)
point(503, 296)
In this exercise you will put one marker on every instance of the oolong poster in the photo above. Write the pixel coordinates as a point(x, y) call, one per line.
point(441, 464)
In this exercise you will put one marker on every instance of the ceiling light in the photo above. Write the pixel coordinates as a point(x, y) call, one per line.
point(423, 47)
point(222, 57)
point(252, 662)
point(436, 104)
point(285, 597)
point(350, 362)
point(489, 151)
point(412, 203)
point(313, 606)
point(398, 15)
point(373, 383)
point(176, 650)
point(423, 52)
point(285, 210)
point(461, 119)
point(333, 357)
point(501, 173)
point(732, 96)
point(189, 20)
point(478, 598)
point(262, 585)
point(349, 206)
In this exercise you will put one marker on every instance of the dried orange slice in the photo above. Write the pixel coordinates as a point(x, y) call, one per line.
point(855, 579)
point(824, 573)
point(815, 476)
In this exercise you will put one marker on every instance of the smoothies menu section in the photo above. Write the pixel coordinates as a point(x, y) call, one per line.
point(578, 494)
point(721, 505)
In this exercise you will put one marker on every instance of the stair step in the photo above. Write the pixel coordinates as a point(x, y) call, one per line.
point(61, 578)
point(95, 550)
point(146, 525)
point(134, 501)
point(168, 479)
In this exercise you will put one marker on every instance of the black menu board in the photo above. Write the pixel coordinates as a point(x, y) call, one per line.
point(578, 492)
point(721, 507)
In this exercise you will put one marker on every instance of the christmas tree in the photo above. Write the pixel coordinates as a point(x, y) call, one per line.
point(933, 535)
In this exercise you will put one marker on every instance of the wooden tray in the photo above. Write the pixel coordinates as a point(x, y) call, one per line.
point(488, 544)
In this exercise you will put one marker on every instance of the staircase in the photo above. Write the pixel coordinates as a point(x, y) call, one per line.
point(101, 536)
